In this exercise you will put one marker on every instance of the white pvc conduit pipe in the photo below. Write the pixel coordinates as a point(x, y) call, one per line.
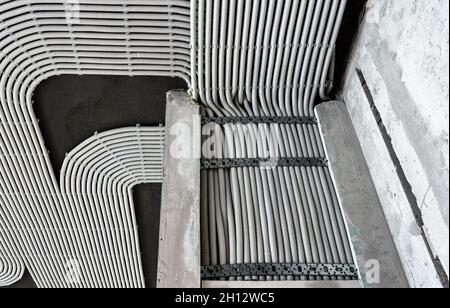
point(96, 183)
point(271, 58)
point(100, 233)
point(11, 267)
point(43, 228)
point(240, 57)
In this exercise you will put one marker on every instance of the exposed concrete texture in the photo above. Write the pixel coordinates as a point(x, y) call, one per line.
point(25, 283)
point(179, 249)
point(71, 107)
point(368, 229)
point(402, 55)
point(147, 202)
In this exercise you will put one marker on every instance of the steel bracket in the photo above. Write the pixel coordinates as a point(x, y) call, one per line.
point(228, 163)
point(279, 269)
point(260, 120)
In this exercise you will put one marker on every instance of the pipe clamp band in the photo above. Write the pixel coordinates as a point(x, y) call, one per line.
point(278, 269)
point(260, 120)
point(228, 163)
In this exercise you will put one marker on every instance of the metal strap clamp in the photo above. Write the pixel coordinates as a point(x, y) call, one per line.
point(228, 163)
point(260, 120)
point(279, 269)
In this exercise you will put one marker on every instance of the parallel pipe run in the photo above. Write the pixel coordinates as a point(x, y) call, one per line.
point(97, 179)
point(275, 212)
point(99, 238)
point(92, 223)
point(258, 58)
point(11, 266)
point(272, 59)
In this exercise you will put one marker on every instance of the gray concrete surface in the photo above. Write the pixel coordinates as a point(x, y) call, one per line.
point(367, 225)
point(344, 44)
point(179, 249)
point(147, 205)
point(25, 283)
point(71, 108)
point(397, 92)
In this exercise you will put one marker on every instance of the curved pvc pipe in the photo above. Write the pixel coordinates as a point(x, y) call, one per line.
point(261, 57)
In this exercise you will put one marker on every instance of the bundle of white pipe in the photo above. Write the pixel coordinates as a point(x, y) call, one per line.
point(40, 39)
point(268, 58)
point(262, 57)
point(95, 226)
point(97, 179)
point(11, 266)
point(270, 214)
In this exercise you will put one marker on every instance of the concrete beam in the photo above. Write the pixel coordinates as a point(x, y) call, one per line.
point(368, 228)
point(179, 247)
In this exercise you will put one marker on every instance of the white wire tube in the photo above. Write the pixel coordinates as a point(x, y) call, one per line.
point(106, 167)
point(271, 56)
point(37, 42)
point(309, 224)
point(262, 57)
point(11, 266)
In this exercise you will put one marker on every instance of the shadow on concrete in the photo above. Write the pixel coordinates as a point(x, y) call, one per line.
point(146, 197)
point(25, 283)
point(72, 108)
point(347, 35)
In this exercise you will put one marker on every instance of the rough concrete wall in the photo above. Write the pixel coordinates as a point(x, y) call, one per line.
point(397, 92)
